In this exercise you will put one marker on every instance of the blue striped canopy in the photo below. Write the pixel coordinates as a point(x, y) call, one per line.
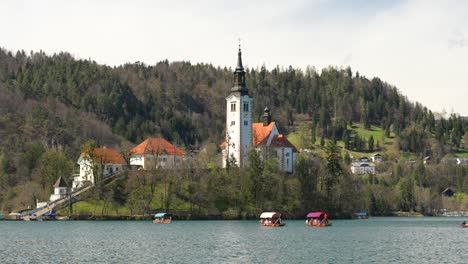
point(362, 214)
point(159, 215)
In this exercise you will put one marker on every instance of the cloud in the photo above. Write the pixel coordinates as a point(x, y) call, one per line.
point(457, 40)
point(419, 46)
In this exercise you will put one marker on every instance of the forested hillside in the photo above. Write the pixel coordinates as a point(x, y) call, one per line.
point(50, 105)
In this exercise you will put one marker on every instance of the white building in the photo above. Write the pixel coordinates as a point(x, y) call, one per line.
point(242, 134)
point(60, 190)
point(105, 161)
point(376, 157)
point(156, 153)
point(267, 140)
point(238, 120)
point(363, 167)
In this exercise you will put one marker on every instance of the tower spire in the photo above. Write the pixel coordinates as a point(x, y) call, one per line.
point(239, 58)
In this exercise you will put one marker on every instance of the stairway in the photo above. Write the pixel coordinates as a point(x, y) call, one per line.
point(73, 197)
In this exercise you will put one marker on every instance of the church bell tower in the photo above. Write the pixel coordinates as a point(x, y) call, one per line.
point(238, 120)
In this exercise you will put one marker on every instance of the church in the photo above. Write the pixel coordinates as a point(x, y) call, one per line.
point(242, 135)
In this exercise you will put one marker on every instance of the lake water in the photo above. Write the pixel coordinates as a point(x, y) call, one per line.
point(377, 240)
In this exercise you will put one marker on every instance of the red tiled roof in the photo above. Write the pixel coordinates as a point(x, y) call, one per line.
point(158, 146)
point(260, 132)
point(107, 155)
point(281, 141)
point(223, 145)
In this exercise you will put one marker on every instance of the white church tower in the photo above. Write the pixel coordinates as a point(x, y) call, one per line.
point(238, 120)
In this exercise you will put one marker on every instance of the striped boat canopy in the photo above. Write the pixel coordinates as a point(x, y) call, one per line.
point(270, 215)
point(158, 215)
point(317, 215)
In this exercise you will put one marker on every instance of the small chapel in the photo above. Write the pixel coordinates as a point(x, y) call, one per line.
point(242, 135)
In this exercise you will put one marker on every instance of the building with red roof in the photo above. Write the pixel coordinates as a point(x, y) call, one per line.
point(105, 161)
point(266, 135)
point(156, 153)
point(242, 134)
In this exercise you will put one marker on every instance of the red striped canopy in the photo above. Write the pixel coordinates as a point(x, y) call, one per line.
point(317, 215)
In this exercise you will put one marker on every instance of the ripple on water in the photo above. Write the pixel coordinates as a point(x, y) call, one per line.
point(377, 240)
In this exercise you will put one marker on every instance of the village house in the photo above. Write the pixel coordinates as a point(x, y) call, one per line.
point(448, 192)
point(156, 153)
point(376, 158)
point(242, 135)
point(61, 190)
point(363, 166)
point(105, 161)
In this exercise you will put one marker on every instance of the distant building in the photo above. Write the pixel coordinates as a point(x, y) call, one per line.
point(40, 204)
point(156, 153)
point(448, 192)
point(427, 160)
point(106, 161)
point(242, 135)
point(455, 161)
point(363, 166)
point(61, 190)
point(376, 157)
point(364, 159)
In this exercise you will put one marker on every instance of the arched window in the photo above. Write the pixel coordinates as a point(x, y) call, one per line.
point(233, 107)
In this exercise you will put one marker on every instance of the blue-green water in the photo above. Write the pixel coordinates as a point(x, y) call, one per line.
point(377, 240)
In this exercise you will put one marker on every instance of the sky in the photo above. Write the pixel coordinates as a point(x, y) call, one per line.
point(421, 47)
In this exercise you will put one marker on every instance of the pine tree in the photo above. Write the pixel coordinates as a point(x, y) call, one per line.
point(370, 143)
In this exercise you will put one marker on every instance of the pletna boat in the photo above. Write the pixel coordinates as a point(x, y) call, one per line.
point(272, 219)
point(318, 219)
point(48, 217)
point(362, 215)
point(13, 217)
point(162, 218)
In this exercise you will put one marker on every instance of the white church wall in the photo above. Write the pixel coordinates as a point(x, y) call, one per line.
point(238, 128)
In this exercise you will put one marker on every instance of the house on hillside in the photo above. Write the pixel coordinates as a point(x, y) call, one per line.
point(364, 159)
point(362, 166)
point(156, 153)
point(448, 192)
point(61, 190)
point(376, 157)
point(104, 161)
